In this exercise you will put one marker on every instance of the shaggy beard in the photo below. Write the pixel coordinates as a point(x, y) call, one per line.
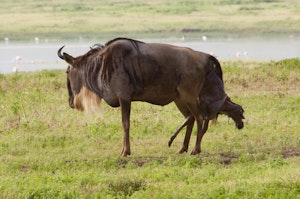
point(87, 101)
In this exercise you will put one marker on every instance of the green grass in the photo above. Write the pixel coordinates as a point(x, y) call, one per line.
point(69, 20)
point(48, 150)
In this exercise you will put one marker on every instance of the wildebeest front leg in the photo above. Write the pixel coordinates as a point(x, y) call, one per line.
point(125, 109)
point(201, 131)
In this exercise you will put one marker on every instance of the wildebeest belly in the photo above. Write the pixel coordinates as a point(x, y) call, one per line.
point(158, 95)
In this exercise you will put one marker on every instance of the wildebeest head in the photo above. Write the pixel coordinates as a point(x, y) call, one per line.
point(80, 97)
point(234, 111)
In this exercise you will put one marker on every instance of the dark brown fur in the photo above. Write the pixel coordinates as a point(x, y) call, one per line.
point(126, 70)
point(213, 101)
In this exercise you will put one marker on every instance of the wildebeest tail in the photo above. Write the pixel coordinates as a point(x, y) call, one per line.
point(217, 67)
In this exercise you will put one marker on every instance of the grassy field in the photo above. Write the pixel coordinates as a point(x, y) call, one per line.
point(69, 19)
point(48, 150)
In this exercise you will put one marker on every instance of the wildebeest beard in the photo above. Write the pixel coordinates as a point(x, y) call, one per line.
point(87, 101)
point(84, 100)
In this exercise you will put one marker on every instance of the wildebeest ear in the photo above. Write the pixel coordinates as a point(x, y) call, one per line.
point(68, 58)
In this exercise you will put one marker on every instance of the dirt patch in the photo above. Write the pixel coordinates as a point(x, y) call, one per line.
point(227, 158)
point(140, 162)
point(25, 168)
point(290, 152)
point(122, 163)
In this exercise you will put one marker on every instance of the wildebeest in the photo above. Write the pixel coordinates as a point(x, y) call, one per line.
point(126, 70)
point(213, 101)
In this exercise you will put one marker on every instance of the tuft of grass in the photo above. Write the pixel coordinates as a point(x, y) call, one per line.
point(125, 187)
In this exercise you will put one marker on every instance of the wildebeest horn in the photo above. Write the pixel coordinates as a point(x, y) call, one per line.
point(65, 56)
point(59, 53)
point(97, 46)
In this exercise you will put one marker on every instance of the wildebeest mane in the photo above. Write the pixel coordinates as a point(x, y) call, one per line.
point(123, 38)
point(95, 48)
point(91, 63)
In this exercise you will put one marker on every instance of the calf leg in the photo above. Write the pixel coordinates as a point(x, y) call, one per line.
point(125, 109)
point(202, 128)
point(189, 122)
point(188, 133)
point(185, 123)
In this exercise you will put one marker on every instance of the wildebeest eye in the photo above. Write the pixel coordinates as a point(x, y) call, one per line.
point(68, 69)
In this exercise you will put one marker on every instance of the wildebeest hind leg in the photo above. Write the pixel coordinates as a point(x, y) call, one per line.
point(200, 134)
point(125, 109)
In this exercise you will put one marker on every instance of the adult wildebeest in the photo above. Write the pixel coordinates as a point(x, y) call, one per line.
point(126, 70)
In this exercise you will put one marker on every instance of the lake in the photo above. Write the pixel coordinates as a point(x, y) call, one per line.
point(32, 56)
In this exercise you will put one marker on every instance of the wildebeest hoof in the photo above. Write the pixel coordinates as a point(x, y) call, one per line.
point(196, 151)
point(125, 153)
point(183, 150)
point(170, 142)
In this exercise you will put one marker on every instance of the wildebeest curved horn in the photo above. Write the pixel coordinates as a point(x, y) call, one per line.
point(59, 53)
point(65, 56)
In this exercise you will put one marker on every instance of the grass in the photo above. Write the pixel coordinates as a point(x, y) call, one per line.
point(48, 150)
point(71, 20)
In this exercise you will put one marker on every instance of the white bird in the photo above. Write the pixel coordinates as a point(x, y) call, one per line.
point(6, 40)
point(36, 39)
point(18, 58)
point(15, 69)
point(17, 63)
point(237, 54)
point(204, 38)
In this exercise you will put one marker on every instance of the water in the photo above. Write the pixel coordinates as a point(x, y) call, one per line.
point(26, 57)
point(33, 57)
